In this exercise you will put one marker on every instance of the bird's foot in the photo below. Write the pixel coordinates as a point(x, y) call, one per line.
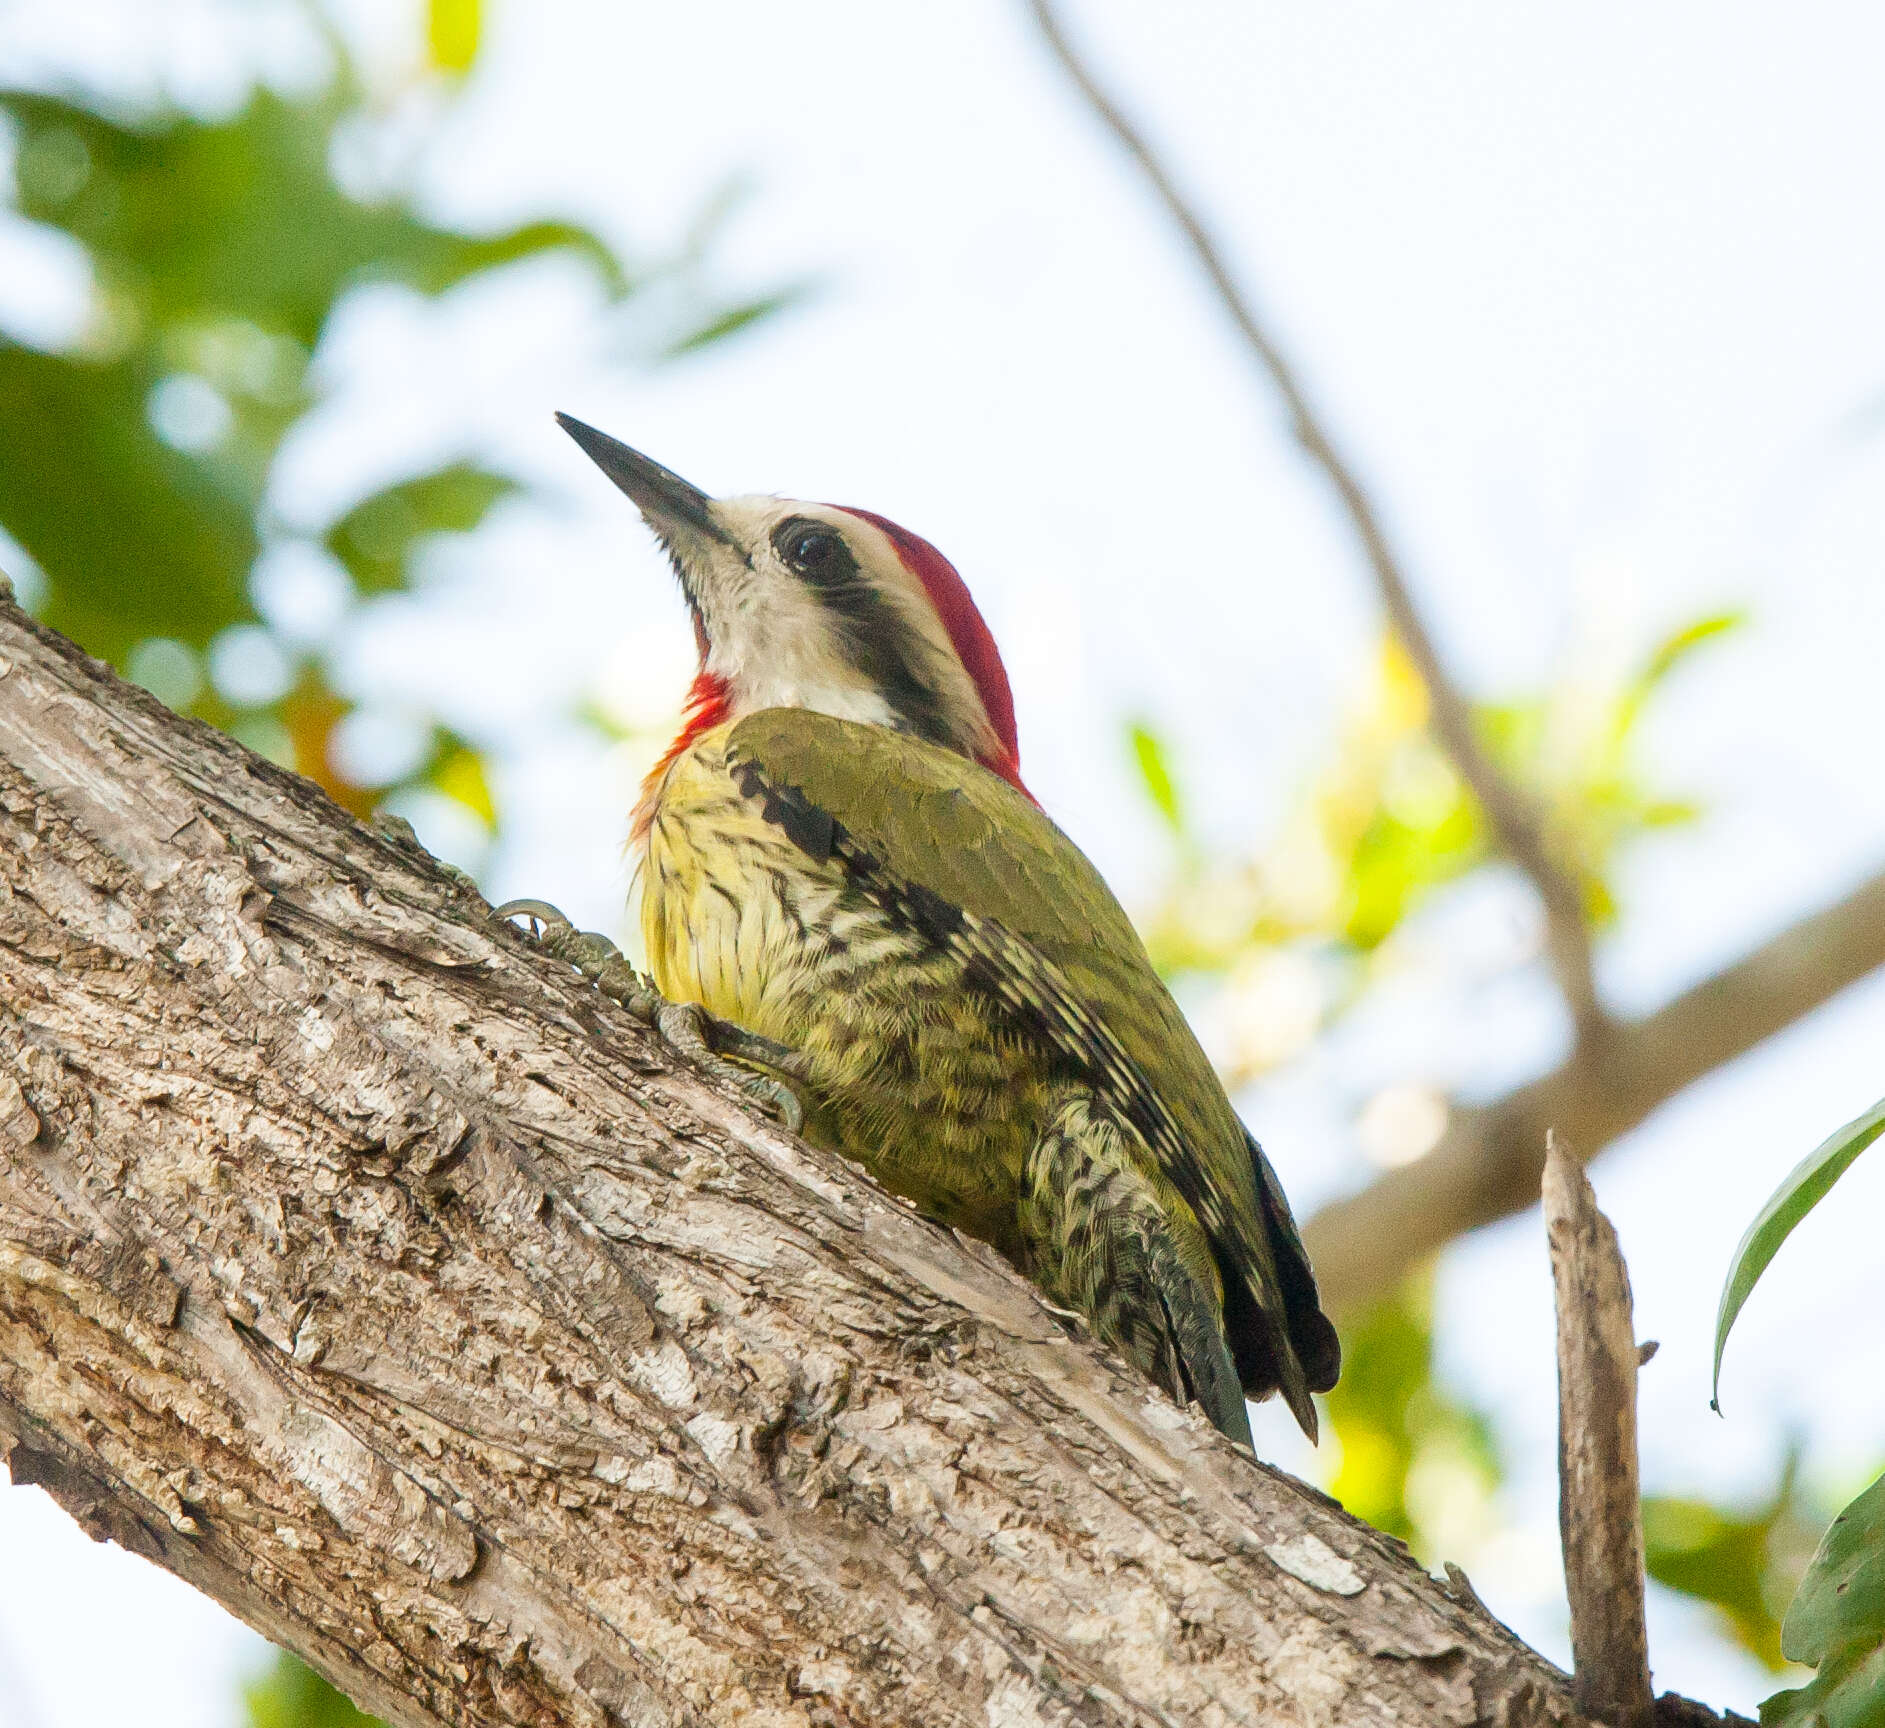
point(708, 1043)
point(591, 953)
point(685, 1026)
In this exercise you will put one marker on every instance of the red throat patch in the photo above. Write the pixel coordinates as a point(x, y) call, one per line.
point(709, 701)
point(968, 634)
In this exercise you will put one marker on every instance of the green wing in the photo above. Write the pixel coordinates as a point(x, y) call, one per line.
point(1046, 924)
point(984, 846)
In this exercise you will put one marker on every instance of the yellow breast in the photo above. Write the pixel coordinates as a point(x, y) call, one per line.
point(904, 1069)
point(726, 898)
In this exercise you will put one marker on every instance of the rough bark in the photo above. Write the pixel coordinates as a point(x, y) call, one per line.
point(364, 1268)
point(1600, 1508)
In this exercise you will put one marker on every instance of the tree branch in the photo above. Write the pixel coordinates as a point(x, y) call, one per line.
point(1489, 1162)
point(1515, 821)
point(366, 1269)
point(1600, 1507)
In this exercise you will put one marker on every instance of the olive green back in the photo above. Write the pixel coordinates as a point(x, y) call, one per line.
point(939, 820)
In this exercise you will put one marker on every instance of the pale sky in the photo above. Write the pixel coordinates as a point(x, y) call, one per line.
point(1594, 296)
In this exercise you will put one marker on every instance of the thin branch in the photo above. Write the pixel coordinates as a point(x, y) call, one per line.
point(1600, 1510)
point(1515, 821)
point(1489, 1163)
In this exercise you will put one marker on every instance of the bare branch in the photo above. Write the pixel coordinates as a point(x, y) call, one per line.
point(1490, 1160)
point(1600, 1509)
point(1516, 823)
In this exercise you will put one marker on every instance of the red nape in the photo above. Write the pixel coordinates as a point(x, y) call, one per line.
point(968, 634)
point(709, 702)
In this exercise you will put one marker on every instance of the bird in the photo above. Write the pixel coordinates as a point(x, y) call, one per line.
point(854, 908)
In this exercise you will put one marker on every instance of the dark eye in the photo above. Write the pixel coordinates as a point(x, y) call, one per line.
point(816, 552)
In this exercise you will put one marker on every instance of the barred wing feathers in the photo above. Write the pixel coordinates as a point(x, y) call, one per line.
point(1039, 929)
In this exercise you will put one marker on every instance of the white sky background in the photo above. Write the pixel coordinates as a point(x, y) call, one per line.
point(1594, 296)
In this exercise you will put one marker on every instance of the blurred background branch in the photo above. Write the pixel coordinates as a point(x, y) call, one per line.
point(1514, 820)
point(1488, 1162)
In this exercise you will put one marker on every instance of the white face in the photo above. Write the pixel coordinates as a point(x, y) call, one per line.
point(811, 607)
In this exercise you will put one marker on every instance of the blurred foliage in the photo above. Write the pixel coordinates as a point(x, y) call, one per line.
point(289, 1694)
point(220, 249)
point(1289, 940)
point(1388, 822)
point(1414, 1460)
point(1742, 1562)
point(139, 458)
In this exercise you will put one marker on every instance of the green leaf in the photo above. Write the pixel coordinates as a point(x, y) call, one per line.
point(445, 264)
point(1842, 1597)
point(1679, 644)
point(1395, 863)
point(458, 771)
point(1803, 1189)
point(1155, 775)
point(1664, 658)
point(1848, 1692)
point(377, 537)
point(452, 28)
point(1670, 813)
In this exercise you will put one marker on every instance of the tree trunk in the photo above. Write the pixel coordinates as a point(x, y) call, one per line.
point(363, 1267)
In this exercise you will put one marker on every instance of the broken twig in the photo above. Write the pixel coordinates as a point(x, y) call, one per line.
point(1600, 1515)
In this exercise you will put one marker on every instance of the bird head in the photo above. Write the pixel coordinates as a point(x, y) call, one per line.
point(815, 606)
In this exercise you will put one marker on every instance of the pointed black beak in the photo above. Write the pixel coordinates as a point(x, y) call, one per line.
point(663, 498)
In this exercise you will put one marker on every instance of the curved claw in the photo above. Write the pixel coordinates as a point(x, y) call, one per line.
point(782, 1100)
point(590, 952)
point(744, 1046)
point(539, 910)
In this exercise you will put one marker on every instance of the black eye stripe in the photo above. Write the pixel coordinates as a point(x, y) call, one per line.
point(876, 637)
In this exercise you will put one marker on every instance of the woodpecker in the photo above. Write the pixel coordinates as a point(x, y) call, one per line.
point(840, 862)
